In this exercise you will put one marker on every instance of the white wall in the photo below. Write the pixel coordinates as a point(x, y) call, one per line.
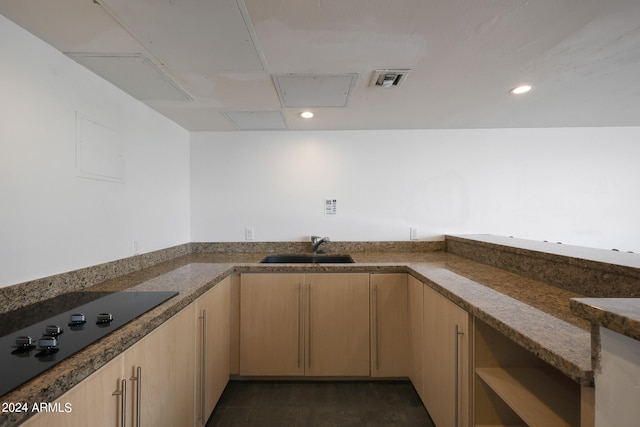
point(578, 186)
point(52, 220)
point(618, 381)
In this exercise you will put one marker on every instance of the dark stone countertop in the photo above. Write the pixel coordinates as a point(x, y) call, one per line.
point(621, 315)
point(532, 313)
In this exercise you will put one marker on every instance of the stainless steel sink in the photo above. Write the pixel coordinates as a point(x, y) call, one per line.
point(306, 259)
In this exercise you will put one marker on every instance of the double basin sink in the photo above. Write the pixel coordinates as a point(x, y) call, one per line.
point(306, 259)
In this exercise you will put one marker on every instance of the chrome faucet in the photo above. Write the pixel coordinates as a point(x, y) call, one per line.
point(316, 241)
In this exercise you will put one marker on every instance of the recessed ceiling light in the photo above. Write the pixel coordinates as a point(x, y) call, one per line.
point(520, 89)
point(306, 114)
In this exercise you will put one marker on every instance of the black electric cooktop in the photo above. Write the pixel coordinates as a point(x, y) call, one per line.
point(62, 326)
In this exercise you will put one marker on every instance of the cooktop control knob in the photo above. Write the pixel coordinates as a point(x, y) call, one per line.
point(77, 319)
point(47, 343)
point(53, 330)
point(104, 318)
point(24, 341)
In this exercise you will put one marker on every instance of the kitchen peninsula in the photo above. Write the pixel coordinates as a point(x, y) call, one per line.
point(517, 296)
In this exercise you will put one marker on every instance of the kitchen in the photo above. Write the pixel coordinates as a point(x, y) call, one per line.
point(565, 174)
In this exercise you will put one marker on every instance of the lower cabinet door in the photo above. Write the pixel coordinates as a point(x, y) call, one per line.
point(297, 324)
point(271, 325)
point(98, 400)
point(161, 369)
point(213, 309)
point(416, 323)
point(446, 360)
point(337, 324)
point(389, 328)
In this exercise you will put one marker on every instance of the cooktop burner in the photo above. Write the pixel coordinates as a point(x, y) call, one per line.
point(62, 326)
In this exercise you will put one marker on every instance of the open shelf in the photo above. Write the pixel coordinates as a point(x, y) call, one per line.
point(514, 387)
point(537, 397)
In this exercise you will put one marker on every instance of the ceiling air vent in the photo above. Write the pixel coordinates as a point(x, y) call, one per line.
point(388, 78)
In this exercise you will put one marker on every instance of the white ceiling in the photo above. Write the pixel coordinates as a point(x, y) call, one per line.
point(581, 56)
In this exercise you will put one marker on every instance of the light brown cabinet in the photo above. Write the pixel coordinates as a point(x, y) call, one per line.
point(96, 398)
point(389, 325)
point(212, 350)
point(166, 377)
point(145, 382)
point(439, 362)
point(337, 324)
point(161, 368)
point(325, 324)
point(271, 324)
point(304, 324)
point(415, 327)
point(446, 360)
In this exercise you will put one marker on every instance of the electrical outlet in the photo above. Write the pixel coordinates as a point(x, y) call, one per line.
point(413, 233)
point(136, 248)
point(248, 233)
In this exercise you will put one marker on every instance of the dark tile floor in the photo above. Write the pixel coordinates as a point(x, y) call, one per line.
point(319, 403)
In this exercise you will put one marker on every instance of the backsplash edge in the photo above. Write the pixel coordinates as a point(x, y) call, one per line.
point(32, 291)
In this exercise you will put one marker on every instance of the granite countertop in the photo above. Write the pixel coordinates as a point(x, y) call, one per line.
point(532, 313)
point(564, 344)
point(579, 255)
point(621, 315)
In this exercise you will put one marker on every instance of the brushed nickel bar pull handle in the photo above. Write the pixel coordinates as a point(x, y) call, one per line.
point(123, 402)
point(457, 383)
point(376, 326)
point(309, 355)
point(139, 398)
point(138, 379)
point(299, 319)
point(203, 385)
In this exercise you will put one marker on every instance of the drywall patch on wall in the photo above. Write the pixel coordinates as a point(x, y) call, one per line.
point(99, 150)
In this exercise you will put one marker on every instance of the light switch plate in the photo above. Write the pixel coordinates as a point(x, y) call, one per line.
point(248, 233)
point(413, 233)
